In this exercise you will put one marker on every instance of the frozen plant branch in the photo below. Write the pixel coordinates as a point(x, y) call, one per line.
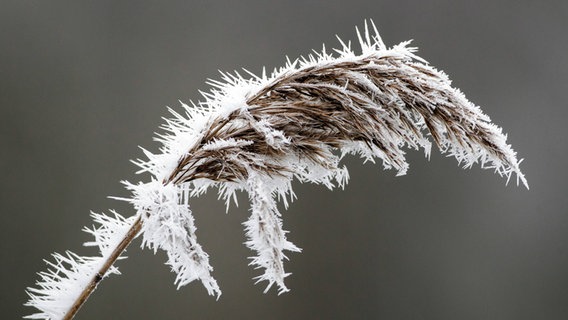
point(257, 134)
point(71, 278)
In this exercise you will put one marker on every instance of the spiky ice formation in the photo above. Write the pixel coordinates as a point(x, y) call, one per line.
point(69, 275)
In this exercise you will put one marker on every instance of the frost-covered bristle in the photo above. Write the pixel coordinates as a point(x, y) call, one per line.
point(169, 225)
point(68, 274)
point(264, 232)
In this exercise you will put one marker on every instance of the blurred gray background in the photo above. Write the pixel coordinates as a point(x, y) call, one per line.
point(82, 84)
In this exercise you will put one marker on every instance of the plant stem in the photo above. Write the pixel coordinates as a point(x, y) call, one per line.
point(130, 235)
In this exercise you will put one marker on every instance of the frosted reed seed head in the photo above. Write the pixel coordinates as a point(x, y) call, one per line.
point(257, 134)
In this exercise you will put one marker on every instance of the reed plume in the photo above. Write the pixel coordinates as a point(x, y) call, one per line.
point(257, 134)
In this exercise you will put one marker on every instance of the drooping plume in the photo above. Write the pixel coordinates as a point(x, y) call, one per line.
point(257, 134)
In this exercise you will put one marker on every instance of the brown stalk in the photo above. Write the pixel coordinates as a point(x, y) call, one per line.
point(130, 235)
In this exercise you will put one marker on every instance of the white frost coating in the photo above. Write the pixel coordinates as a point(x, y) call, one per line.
point(69, 274)
point(275, 138)
point(265, 233)
point(169, 225)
